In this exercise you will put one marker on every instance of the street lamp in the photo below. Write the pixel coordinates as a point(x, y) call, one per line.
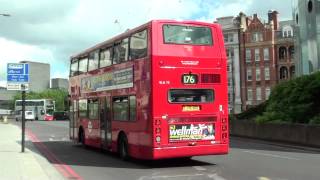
point(6, 15)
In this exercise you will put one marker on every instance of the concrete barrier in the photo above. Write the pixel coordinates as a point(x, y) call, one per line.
point(292, 133)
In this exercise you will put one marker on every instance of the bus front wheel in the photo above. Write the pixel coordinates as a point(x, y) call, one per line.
point(123, 148)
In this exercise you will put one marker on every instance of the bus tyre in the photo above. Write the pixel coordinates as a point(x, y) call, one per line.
point(123, 148)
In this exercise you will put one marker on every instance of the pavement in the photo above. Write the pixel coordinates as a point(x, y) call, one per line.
point(15, 165)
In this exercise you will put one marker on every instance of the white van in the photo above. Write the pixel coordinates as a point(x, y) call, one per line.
point(29, 115)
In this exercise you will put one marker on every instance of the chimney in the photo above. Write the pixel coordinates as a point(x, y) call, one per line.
point(269, 16)
point(275, 20)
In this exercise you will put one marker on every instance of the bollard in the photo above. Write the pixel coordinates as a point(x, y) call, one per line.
point(5, 120)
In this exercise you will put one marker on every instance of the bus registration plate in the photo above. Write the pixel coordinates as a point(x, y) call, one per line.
point(190, 108)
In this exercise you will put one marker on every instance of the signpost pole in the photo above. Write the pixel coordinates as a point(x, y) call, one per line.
point(23, 96)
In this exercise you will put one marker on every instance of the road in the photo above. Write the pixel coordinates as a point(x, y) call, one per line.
point(248, 160)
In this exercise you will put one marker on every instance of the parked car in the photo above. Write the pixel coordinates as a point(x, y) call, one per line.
point(29, 115)
point(60, 115)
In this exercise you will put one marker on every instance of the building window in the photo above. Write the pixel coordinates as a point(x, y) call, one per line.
point(249, 75)
point(266, 54)
point(258, 92)
point(268, 92)
point(225, 37)
point(291, 52)
point(248, 55)
point(283, 73)
point(249, 94)
point(93, 108)
point(282, 53)
point(230, 37)
point(267, 73)
point(257, 55)
point(310, 6)
point(258, 76)
point(257, 36)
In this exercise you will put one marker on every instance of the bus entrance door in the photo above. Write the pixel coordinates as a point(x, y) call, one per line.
point(105, 122)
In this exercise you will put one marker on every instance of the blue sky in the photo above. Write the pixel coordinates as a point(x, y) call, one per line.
point(51, 31)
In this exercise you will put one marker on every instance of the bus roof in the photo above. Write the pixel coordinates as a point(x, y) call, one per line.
point(106, 43)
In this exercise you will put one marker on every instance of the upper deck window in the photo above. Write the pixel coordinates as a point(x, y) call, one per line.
point(191, 95)
point(83, 65)
point(121, 51)
point(93, 60)
point(138, 45)
point(194, 35)
point(74, 68)
point(106, 57)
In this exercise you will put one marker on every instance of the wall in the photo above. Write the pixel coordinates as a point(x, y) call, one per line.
point(291, 133)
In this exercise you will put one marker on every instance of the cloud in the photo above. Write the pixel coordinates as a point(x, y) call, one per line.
point(52, 31)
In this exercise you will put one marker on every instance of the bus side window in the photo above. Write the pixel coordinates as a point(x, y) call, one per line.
point(121, 51)
point(93, 60)
point(138, 45)
point(93, 109)
point(83, 110)
point(120, 108)
point(74, 68)
point(83, 65)
point(133, 108)
point(105, 57)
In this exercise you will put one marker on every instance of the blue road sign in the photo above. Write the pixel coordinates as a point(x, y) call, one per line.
point(17, 73)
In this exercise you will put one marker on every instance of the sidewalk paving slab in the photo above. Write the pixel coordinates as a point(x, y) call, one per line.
point(15, 165)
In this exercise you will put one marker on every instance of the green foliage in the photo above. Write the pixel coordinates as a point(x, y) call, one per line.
point(295, 101)
point(58, 95)
point(315, 120)
point(252, 112)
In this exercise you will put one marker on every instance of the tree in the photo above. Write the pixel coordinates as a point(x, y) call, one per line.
point(60, 97)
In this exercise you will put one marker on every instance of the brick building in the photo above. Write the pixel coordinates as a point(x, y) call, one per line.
point(258, 62)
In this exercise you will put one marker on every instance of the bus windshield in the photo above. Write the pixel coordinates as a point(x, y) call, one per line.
point(175, 34)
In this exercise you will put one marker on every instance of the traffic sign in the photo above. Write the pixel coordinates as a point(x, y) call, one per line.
point(17, 76)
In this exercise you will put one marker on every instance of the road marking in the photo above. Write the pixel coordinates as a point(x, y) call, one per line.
point(263, 178)
point(169, 177)
point(199, 168)
point(216, 177)
point(62, 167)
point(271, 155)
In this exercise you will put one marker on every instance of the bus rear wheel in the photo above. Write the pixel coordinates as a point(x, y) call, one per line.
point(123, 148)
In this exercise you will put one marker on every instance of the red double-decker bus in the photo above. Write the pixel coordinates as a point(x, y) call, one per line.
point(156, 91)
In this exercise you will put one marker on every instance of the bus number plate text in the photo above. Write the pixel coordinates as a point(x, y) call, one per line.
point(189, 79)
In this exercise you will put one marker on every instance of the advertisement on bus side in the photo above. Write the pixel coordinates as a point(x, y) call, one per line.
point(112, 80)
point(186, 132)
